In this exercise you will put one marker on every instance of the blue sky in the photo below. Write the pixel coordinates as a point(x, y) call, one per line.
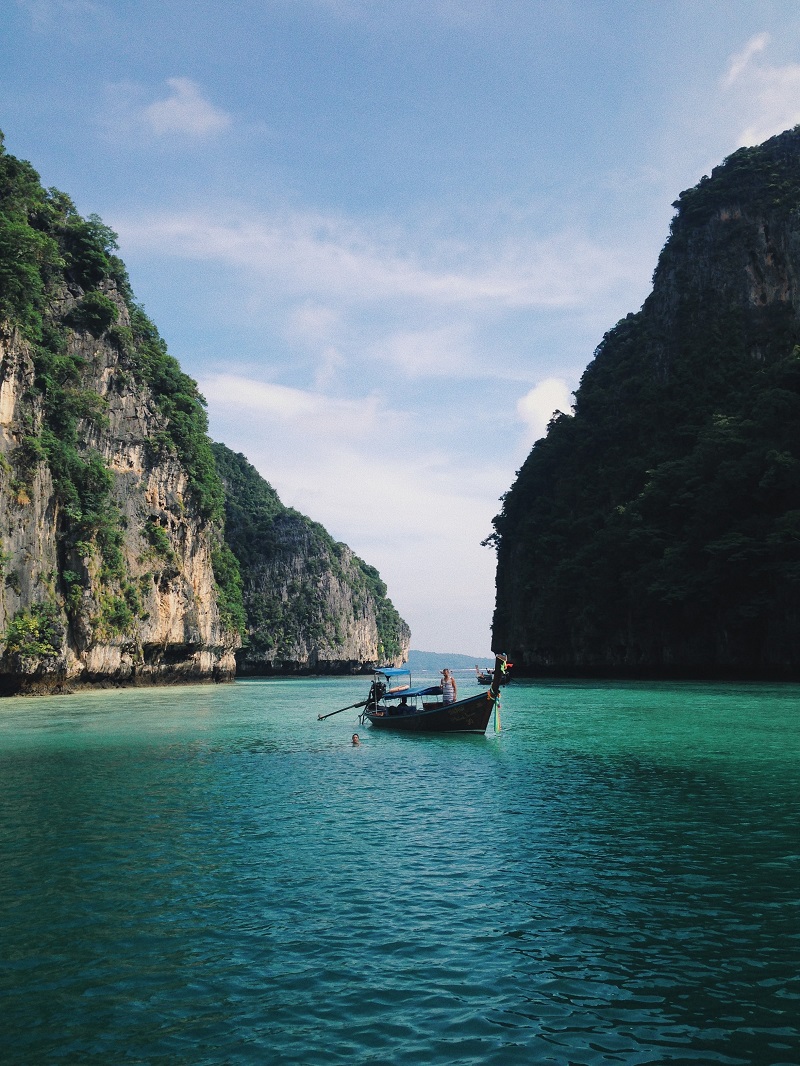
point(386, 236)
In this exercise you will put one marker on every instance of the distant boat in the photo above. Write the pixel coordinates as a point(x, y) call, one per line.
point(393, 704)
point(484, 677)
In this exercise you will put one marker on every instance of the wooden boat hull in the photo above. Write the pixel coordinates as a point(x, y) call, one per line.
point(465, 716)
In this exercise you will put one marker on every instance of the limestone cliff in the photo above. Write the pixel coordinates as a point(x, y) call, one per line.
point(126, 593)
point(114, 567)
point(110, 507)
point(657, 530)
point(311, 604)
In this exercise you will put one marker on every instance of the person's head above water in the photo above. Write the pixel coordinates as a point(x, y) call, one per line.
point(355, 738)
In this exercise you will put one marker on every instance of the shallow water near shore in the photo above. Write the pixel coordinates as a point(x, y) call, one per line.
point(211, 875)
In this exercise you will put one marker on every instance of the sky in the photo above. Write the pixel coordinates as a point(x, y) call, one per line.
point(386, 236)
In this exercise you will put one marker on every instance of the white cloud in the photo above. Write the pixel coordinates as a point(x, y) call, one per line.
point(768, 97)
point(330, 362)
point(185, 111)
point(326, 454)
point(331, 256)
point(741, 60)
point(314, 328)
point(184, 114)
point(312, 323)
point(441, 352)
point(297, 409)
point(538, 406)
point(416, 513)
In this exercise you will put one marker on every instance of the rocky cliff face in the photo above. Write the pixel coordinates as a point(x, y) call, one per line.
point(110, 506)
point(311, 604)
point(136, 602)
point(657, 530)
point(114, 567)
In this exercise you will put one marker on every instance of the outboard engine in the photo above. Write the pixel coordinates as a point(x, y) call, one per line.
point(376, 693)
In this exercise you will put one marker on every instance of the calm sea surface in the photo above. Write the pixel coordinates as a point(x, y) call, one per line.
point(211, 875)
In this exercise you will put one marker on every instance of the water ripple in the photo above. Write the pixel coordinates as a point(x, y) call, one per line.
point(210, 875)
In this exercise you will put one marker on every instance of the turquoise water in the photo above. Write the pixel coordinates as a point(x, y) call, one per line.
point(211, 875)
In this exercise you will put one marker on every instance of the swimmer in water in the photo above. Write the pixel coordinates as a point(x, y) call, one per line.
point(356, 741)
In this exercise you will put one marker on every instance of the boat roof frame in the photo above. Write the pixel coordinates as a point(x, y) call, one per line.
point(407, 693)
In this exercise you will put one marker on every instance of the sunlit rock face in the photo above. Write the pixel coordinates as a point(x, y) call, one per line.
point(114, 562)
point(155, 618)
point(656, 530)
point(111, 545)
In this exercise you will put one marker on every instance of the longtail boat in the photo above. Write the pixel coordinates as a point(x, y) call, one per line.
point(393, 704)
point(484, 677)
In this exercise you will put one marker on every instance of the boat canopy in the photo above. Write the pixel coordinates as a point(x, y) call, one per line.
point(404, 693)
point(393, 671)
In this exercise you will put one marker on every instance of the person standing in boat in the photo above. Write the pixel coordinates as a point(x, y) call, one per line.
point(449, 688)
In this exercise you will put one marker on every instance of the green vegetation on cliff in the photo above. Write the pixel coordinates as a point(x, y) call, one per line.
point(658, 528)
point(302, 589)
point(59, 275)
point(46, 246)
point(124, 542)
point(35, 632)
